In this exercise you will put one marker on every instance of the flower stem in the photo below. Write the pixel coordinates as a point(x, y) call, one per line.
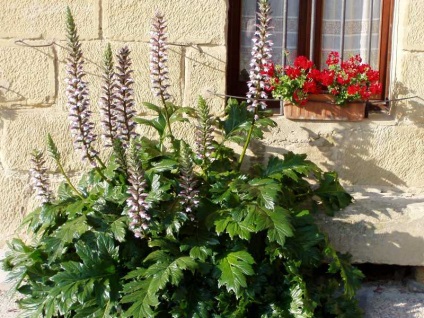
point(62, 171)
point(249, 137)
point(168, 123)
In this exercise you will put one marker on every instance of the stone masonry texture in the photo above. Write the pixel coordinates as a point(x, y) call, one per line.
point(380, 159)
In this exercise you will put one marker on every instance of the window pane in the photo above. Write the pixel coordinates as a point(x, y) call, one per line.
point(248, 27)
point(360, 32)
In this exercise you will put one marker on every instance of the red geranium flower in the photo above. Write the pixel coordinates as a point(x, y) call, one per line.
point(373, 75)
point(333, 58)
point(303, 62)
point(269, 69)
point(375, 88)
point(310, 87)
point(353, 89)
point(365, 93)
point(327, 77)
point(292, 72)
point(343, 79)
point(314, 74)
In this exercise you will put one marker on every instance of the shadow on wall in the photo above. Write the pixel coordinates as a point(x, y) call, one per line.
point(411, 110)
point(6, 114)
point(359, 152)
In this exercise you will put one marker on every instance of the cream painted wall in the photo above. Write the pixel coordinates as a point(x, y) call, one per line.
point(383, 152)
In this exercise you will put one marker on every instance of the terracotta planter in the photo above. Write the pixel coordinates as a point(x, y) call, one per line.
point(322, 107)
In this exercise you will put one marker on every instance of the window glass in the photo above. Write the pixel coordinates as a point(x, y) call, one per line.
point(248, 27)
point(361, 17)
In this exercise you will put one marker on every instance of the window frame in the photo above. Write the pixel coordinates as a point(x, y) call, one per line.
point(239, 88)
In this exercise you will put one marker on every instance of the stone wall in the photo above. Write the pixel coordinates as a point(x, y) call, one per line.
point(384, 152)
point(32, 72)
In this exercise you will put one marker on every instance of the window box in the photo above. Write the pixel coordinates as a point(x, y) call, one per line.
point(322, 107)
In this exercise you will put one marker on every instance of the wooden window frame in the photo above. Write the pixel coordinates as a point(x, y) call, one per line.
point(239, 88)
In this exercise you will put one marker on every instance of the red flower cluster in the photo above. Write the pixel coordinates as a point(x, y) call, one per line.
point(352, 80)
point(268, 73)
point(347, 80)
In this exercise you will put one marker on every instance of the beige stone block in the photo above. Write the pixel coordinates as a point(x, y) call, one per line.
point(382, 156)
point(14, 191)
point(205, 71)
point(410, 84)
point(363, 153)
point(413, 11)
point(380, 228)
point(93, 53)
point(35, 19)
point(27, 75)
point(193, 21)
point(27, 130)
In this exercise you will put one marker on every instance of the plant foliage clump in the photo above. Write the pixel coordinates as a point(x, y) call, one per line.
point(161, 229)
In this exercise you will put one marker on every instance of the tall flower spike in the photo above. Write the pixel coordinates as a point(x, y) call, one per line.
point(120, 155)
point(261, 55)
point(108, 100)
point(39, 179)
point(204, 131)
point(77, 94)
point(188, 194)
point(136, 202)
point(158, 58)
point(125, 101)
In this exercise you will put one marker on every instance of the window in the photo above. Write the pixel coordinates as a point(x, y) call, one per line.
point(312, 28)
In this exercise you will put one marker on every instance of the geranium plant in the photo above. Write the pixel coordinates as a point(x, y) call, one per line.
point(294, 83)
point(347, 81)
point(167, 229)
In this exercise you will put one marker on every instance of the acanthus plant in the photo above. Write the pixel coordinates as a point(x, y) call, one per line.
point(173, 232)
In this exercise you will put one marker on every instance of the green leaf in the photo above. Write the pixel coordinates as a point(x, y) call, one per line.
point(234, 267)
point(163, 165)
point(69, 231)
point(301, 306)
point(72, 229)
point(281, 227)
point(267, 191)
point(106, 247)
point(237, 114)
point(276, 221)
point(332, 194)
point(351, 276)
point(200, 252)
point(142, 302)
point(177, 114)
point(293, 166)
point(65, 191)
point(166, 270)
point(119, 229)
point(153, 107)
